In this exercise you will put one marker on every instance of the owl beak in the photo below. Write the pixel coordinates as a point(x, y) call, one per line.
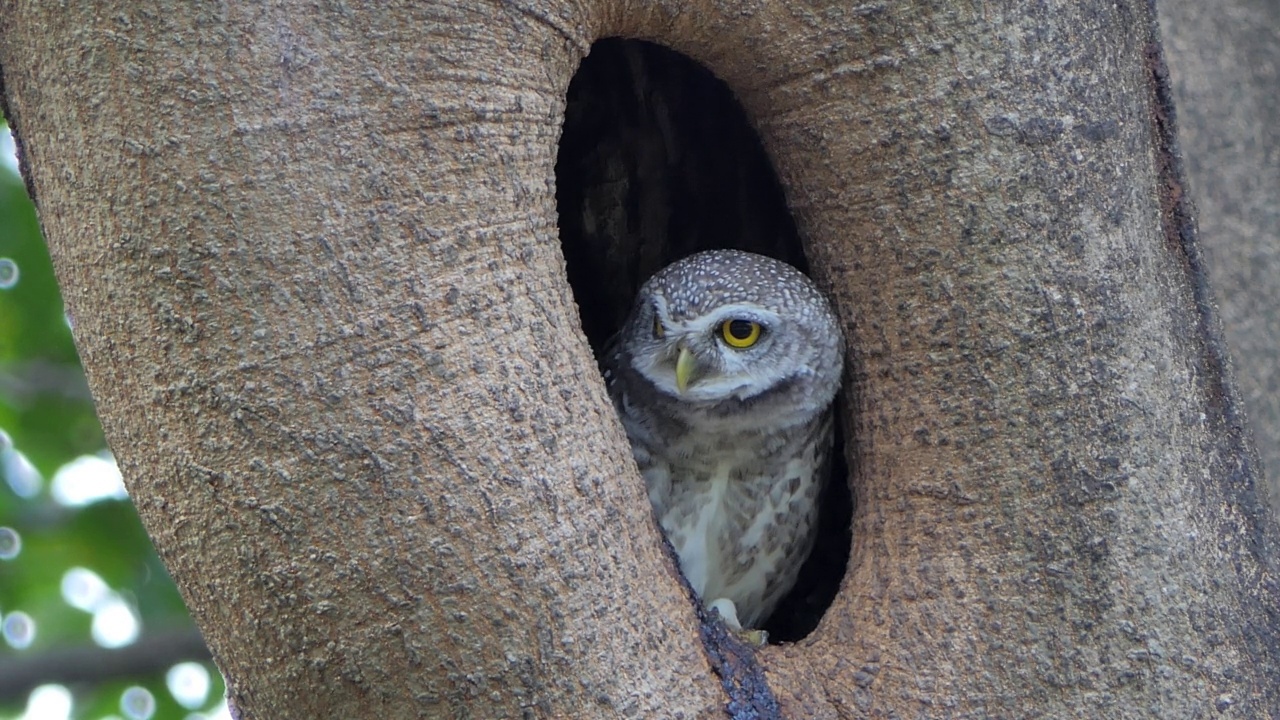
point(686, 363)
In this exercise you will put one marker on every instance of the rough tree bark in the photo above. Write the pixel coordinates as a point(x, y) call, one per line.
point(311, 256)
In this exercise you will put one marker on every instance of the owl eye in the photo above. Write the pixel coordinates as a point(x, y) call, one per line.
point(658, 330)
point(740, 333)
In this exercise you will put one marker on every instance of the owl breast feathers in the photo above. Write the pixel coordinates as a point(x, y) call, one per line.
point(724, 376)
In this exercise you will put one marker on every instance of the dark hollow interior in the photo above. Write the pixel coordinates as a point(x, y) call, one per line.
point(658, 161)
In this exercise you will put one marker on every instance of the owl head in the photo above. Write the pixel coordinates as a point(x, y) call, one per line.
point(726, 325)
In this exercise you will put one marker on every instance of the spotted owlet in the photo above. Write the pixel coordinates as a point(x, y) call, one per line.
point(724, 376)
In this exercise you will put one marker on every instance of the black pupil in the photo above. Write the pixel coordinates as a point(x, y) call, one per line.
point(740, 329)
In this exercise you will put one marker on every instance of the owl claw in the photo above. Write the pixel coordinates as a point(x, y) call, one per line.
point(752, 638)
point(728, 613)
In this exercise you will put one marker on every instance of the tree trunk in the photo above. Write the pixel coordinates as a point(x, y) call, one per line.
point(311, 257)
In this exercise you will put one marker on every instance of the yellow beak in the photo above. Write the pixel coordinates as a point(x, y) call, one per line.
point(685, 365)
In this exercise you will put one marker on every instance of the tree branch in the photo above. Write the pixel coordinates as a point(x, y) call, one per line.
point(19, 674)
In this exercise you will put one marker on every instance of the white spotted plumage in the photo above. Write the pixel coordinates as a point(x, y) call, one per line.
point(733, 461)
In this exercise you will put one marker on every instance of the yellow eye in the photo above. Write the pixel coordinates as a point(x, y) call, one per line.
point(740, 333)
point(658, 330)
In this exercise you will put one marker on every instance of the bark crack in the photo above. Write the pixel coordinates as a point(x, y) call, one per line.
point(741, 675)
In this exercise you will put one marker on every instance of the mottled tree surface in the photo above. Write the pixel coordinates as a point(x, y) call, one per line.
point(313, 258)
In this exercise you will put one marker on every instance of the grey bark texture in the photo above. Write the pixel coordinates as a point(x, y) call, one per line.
point(1224, 59)
point(312, 260)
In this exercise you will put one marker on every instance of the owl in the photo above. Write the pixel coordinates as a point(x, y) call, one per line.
point(724, 376)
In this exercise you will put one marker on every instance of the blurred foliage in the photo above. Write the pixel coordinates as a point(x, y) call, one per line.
point(48, 416)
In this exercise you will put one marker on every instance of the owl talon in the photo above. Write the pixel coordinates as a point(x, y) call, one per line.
point(752, 638)
point(728, 613)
